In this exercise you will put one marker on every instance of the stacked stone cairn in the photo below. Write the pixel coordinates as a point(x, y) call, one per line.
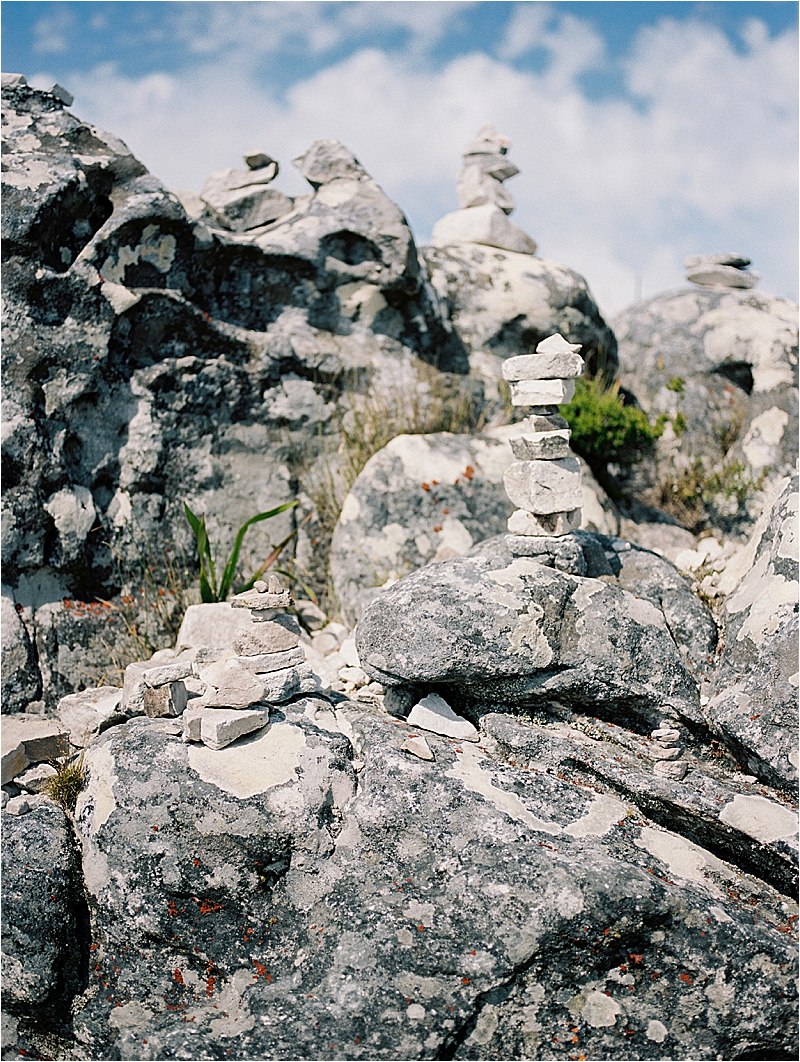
point(666, 749)
point(545, 480)
point(485, 203)
point(720, 271)
point(269, 668)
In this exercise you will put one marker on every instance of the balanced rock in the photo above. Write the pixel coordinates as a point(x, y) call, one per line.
point(720, 271)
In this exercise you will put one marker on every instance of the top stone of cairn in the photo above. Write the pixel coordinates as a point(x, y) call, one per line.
point(264, 596)
point(723, 270)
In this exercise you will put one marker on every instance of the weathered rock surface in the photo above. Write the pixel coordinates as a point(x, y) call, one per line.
point(429, 497)
point(754, 706)
point(45, 922)
point(487, 629)
point(253, 904)
point(722, 364)
point(21, 680)
point(149, 358)
point(503, 303)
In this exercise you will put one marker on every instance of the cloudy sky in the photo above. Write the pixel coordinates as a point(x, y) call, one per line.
point(645, 132)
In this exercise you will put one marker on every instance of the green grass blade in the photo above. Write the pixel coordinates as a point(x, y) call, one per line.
point(233, 560)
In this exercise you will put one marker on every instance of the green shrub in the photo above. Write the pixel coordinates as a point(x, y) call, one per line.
point(604, 429)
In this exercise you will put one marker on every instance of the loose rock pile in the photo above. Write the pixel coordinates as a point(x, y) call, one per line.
point(545, 481)
point(720, 271)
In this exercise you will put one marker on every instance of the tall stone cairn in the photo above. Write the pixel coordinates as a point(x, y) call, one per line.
point(545, 480)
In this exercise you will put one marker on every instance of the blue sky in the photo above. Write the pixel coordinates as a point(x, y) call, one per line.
point(645, 132)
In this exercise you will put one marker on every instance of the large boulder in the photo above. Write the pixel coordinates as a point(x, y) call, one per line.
point(503, 303)
point(754, 706)
point(492, 629)
point(265, 904)
point(45, 922)
point(425, 498)
point(721, 364)
point(149, 358)
point(21, 681)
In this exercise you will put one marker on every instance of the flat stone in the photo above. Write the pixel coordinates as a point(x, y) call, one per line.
point(43, 739)
point(231, 685)
point(222, 726)
point(561, 365)
point(522, 522)
point(724, 259)
point(191, 720)
point(658, 752)
point(35, 778)
point(90, 712)
point(564, 552)
point(671, 769)
point(290, 682)
point(556, 344)
point(435, 714)
point(161, 701)
point(14, 761)
point(722, 276)
point(665, 734)
point(265, 662)
point(356, 675)
point(487, 224)
point(213, 625)
point(257, 602)
point(418, 746)
point(174, 672)
point(541, 445)
point(542, 392)
point(19, 805)
point(545, 486)
point(272, 636)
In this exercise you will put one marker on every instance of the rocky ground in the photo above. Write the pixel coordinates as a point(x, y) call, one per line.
point(487, 806)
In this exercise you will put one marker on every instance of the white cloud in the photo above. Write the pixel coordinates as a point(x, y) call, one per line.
point(703, 157)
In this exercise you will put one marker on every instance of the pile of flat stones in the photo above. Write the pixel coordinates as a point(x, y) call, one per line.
point(269, 668)
point(720, 271)
point(545, 480)
point(666, 749)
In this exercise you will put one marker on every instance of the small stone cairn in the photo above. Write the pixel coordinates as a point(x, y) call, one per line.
point(545, 480)
point(269, 669)
point(720, 271)
point(485, 203)
point(240, 200)
point(666, 749)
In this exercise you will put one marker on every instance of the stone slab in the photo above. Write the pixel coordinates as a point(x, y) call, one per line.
point(231, 685)
point(165, 701)
point(433, 713)
point(564, 552)
point(266, 662)
point(722, 276)
point(542, 392)
point(545, 486)
point(14, 761)
point(273, 636)
point(43, 739)
point(541, 445)
point(522, 522)
point(222, 726)
point(257, 601)
point(563, 365)
point(290, 682)
point(212, 625)
point(90, 712)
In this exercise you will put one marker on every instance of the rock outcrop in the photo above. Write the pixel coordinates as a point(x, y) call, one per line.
point(754, 706)
point(721, 362)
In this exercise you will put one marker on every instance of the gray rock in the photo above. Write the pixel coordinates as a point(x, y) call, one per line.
point(149, 360)
point(722, 365)
point(90, 712)
point(167, 700)
point(21, 680)
point(482, 630)
point(241, 200)
point(281, 922)
point(421, 498)
point(486, 225)
point(754, 702)
point(504, 304)
point(42, 739)
point(45, 922)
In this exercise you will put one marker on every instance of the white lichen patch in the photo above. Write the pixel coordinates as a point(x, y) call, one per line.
point(387, 546)
point(486, 1025)
point(656, 1031)
point(528, 632)
point(604, 813)
point(351, 510)
point(156, 248)
point(467, 769)
point(119, 297)
point(251, 765)
point(684, 859)
point(100, 790)
point(760, 444)
point(763, 593)
point(760, 818)
point(421, 914)
point(596, 1008)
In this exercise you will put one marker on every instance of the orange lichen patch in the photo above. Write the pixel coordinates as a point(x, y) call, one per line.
point(685, 977)
point(636, 958)
point(210, 981)
point(438, 528)
point(425, 486)
point(207, 906)
point(465, 980)
point(469, 472)
point(178, 976)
